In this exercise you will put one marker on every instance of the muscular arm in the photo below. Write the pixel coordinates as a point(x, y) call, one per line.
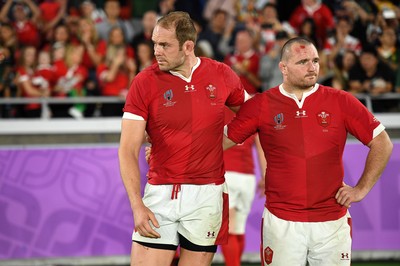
point(378, 156)
point(132, 134)
point(227, 143)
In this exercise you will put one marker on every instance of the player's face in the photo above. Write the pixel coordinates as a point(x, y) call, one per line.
point(167, 51)
point(302, 67)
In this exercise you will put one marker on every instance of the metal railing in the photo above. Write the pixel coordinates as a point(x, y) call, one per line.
point(99, 124)
point(368, 99)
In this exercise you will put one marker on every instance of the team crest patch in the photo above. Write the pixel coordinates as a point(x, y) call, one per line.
point(268, 255)
point(324, 118)
point(212, 92)
point(168, 96)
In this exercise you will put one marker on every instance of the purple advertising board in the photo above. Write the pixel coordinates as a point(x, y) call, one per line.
point(70, 201)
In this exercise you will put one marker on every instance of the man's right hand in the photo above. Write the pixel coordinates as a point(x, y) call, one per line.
point(147, 153)
point(145, 222)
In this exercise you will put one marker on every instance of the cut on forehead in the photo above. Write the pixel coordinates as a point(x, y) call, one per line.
point(302, 42)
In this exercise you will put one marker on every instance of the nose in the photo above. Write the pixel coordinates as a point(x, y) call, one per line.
point(157, 50)
point(312, 66)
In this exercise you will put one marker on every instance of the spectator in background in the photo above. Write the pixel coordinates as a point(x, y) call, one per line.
point(145, 55)
point(25, 26)
point(308, 30)
point(44, 78)
point(72, 83)
point(6, 70)
point(388, 49)
point(24, 81)
point(226, 5)
point(61, 35)
point(148, 22)
point(372, 76)
point(52, 13)
point(112, 9)
point(245, 61)
point(58, 51)
point(269, 25)
point(246, 11)
point(116, 72)
point(270, 73)
point(9, 40)
point(388, 16)
point(165, 7)
point(93, 54)
point(214, 33)
point(88, 9)
point(341, 41)
point(320, 13)
point(361, 14)
point(343, 63)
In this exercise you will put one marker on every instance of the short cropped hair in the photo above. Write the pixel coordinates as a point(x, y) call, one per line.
point(183, 24)
point(285, 52)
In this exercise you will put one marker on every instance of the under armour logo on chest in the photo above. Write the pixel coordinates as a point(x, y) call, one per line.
point(189, 88)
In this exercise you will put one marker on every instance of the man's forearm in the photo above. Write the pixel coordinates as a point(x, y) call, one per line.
point(378, 156)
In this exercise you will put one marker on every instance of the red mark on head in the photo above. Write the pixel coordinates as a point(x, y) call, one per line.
point(302, 46)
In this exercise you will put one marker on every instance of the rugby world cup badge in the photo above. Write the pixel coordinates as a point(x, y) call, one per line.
point(168, 96)
point(278, 119)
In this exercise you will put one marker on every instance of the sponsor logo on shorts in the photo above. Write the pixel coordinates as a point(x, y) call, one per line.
point(210, 234)
point(268, 255)
point(345, 256)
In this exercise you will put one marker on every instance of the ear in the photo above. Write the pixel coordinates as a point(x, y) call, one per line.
point(188, 47)
point(282, 67)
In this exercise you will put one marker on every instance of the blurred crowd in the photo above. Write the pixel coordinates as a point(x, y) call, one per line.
point(64, 49)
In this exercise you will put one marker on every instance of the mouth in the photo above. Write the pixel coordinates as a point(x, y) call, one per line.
point(311, 76)
point(160, 61)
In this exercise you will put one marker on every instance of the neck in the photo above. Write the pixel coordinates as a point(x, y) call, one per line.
point(296, 90)
point(186, 68)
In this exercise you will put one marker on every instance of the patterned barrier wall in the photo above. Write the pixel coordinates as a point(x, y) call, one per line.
point(59, 202)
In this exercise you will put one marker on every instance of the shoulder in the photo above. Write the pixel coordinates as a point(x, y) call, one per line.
point(331, 94)
point(211, 63)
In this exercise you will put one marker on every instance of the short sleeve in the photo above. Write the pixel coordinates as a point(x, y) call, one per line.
point(138, 98)
point(235, 86)
point(359, 121)
point(246, 121)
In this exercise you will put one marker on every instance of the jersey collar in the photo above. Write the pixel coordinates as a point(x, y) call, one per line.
point(189, 79)
point(293, 96)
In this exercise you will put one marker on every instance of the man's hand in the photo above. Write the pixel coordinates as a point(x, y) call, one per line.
point(260, 188)
point(347, 194)
point(145, 222)
point(147, 150)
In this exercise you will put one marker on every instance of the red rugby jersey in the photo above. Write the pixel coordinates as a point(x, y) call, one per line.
point(303, 142)
point(185, 120)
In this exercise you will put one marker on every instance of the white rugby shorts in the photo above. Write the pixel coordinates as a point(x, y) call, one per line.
point(294, 243)
point(197, 212)
point(241, 189)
